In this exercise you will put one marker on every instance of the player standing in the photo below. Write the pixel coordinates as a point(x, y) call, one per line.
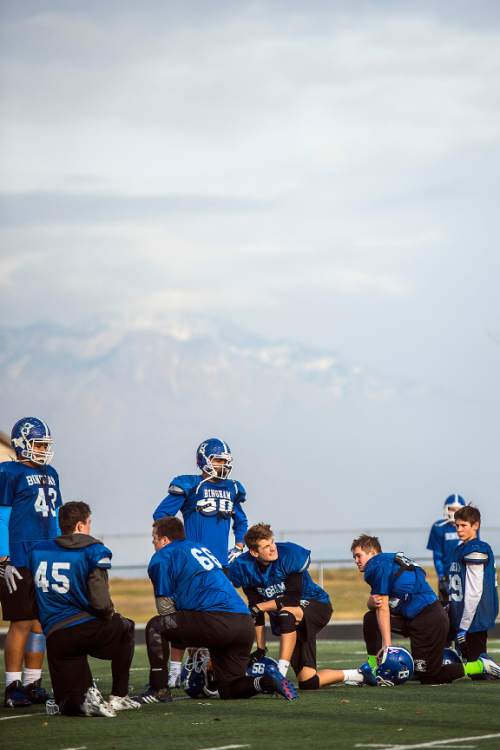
point(29, 502)
point(442, 542)
point(208, 502)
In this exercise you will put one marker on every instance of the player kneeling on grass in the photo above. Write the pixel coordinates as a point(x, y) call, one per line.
point(197, 605)
point(402, 601)
point(275, 580)
point(78, 617)
point(473, 592)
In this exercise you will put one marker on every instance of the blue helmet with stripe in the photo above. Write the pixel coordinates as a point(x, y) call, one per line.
point(395, 666)
point(211, 449)
point(197, 677)
point(32, 441)
point(452, 504)
point(450, 656)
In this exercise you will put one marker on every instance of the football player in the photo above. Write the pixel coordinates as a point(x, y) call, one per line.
point(209, 502)
point(442, 542)
point(78, 617)
point(198, 606)
point(29, 501)
point(402, 601)
point(473, 589)
point(275, 580)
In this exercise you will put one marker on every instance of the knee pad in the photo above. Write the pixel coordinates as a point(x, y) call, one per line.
point(311, 684)
point(286, 622)
point(35, 643)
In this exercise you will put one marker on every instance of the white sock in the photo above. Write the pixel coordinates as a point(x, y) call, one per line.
point(12, 677)
point(175, 668)
point(283, 665)
point(352, 675)
point(31, 675)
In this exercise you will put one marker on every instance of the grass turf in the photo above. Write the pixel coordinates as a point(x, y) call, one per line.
point(338, 717)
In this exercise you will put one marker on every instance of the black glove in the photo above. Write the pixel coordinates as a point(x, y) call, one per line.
point(443, 588)
point(257, 655)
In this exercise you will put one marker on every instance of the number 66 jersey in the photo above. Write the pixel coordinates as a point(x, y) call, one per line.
point(473, 587)
point(32, 493)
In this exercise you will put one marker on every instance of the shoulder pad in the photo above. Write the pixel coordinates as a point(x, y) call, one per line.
point(240, 490)
point(182, 484)
point(475, 556)
point(294, 553)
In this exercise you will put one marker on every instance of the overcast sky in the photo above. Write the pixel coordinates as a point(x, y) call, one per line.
point(324, 172)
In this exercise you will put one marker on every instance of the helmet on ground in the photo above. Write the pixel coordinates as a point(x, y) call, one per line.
point(451, 505)
point(197, 677)
point(32, 441)
point(211, 449)
point(450, 656)
point(258, 667)
point(395, 666)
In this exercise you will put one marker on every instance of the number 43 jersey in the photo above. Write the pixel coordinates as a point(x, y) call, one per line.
point(473, 587)
point(61, 570)
point(193, 577)
point(34, 496)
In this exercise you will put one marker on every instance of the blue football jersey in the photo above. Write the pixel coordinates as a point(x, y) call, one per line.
point(408, 591)
point(269, 580)
point(192, 576)
point(34, 496)
point(475, 552)
point(60, 575)
point(207, 508)
point(443, 540)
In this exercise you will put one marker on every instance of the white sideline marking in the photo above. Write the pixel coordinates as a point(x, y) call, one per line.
point(83, 747)
point(18, 716)
point(434, 743)
point(224, 747)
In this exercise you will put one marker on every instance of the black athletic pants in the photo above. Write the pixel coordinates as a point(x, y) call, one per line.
point(229, 638)
point(316, 616)
point(428, 634)
point(67, 651)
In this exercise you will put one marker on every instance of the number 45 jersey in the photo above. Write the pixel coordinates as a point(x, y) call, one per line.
point(34, 497)
point(63, 570)
point(473, 587)
point(193, 577)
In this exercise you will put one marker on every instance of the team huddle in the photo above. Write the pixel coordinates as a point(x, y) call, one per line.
point(54, 590)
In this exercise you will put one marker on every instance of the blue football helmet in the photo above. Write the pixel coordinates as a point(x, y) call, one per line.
point(197, 677)
point(452, 504)
point(450, 656)
point(32, 441)
point(395, 666)
point(214, 448)
point(258, 667)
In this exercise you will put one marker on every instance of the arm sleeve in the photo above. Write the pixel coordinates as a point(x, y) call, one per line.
point(254, 597)
point(171, 504)
point(474, 576)
point(439, 563)
point(240, 524)
point(98, 592)
point(294, 585)
point(165, 605)
point(4, 530)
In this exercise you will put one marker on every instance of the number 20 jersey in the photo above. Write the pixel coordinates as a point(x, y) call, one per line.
point(193, 577)
point(34, 496)
point(475, 552)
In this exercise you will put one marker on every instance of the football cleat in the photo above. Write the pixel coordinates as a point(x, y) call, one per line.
point(95, 705)
point(16, 696)
point(150, 695)
point(490, 666)
point(368, 677)
point(281, 685)
point(122, 703)
point(36, 693)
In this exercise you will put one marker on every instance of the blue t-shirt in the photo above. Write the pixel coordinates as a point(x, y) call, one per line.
point(269, 580)
point(475, 552)
point(34, 497)
point(192, 576)
point(443, 540)
point(60, 575)
point(408, 591)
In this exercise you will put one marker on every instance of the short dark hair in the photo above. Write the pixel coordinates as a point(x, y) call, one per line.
point(72, 513)
point(170, 526)
point(367, 543)
point(468, 513)
point(256, 533)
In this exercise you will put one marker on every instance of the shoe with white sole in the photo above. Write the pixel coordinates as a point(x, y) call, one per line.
point(122, 703)
point(490, 666)
point(95, 705)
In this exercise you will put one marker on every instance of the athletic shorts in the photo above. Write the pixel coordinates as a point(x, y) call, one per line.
point(21, 605)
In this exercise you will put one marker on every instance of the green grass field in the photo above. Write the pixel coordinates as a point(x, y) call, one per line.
point(401, 718)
